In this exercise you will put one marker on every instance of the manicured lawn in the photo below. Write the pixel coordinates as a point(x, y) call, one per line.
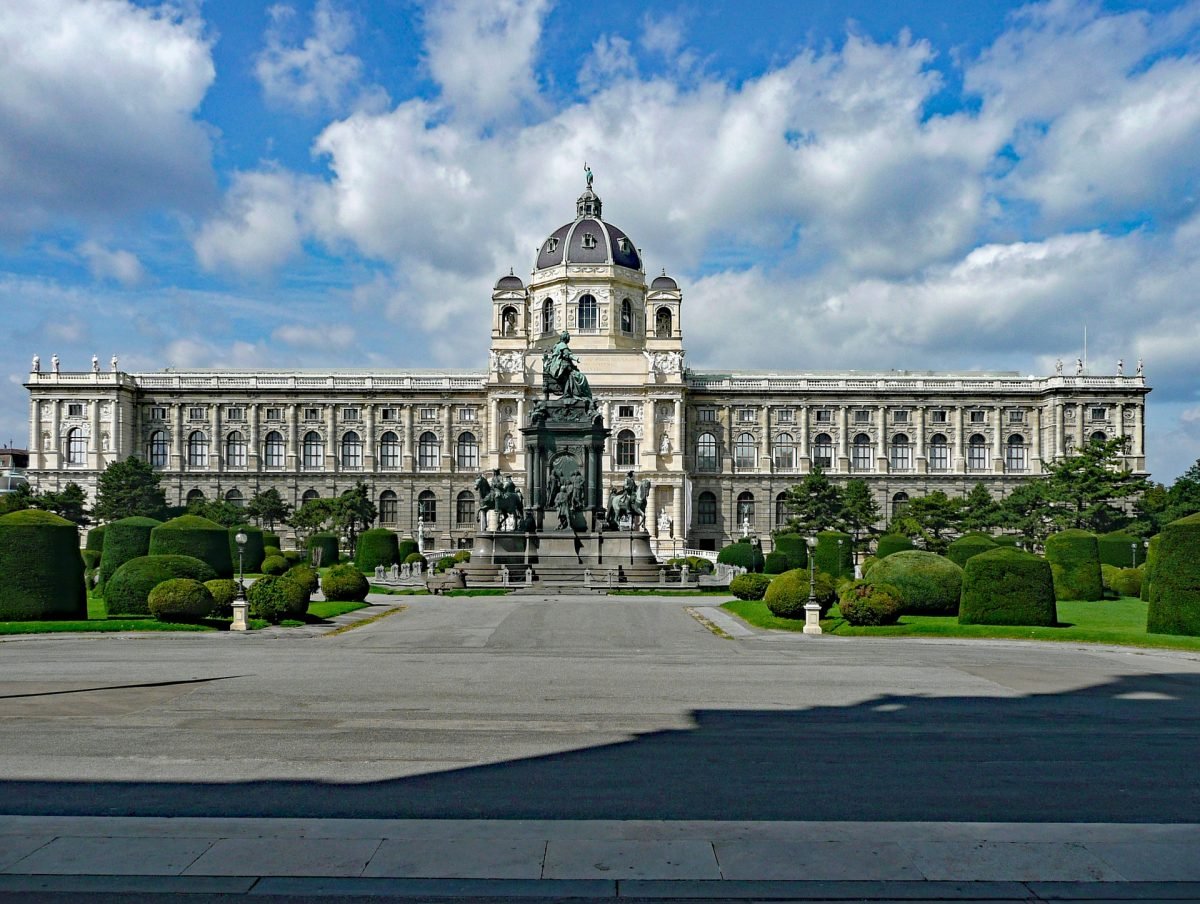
point(1121, 621)
point(333, 609)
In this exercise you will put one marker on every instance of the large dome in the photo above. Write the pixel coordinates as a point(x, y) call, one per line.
point(588, 240)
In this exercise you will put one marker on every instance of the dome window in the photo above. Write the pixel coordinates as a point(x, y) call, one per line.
point(589, 240)
point(626, 245)
point(551, 245)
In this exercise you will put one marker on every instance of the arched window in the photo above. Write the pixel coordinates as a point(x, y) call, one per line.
point(197, 450)
point(1014, 453)
point(588, 312)
point(235, 450)
point(389, 507)
point(626, 316)
point(273, 450)
point(314, 451)
point(76, 447)
point(234, 497)
point(464, 508)
point(898, 503)
point(707, 457)
point(785, 453)
point(662, 323)
point(428, 456)
point(745, 451)
point(939, 453)
point(389, 451)
point(352, 451)
point(901, 457)
point(468, 452)
point(977, 452)
point(860, 453)
point(160, 451)
point(547, 316)
point(626, 449)
point(194, 497)
point(706, 509)
point(508, 321)
point(783, 511)
point(1098, 437)
point(427, 507)
point(822, 451)
point(309, 495)
point(745, 508)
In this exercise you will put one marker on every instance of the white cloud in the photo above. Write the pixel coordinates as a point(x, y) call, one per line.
point(115, 264)
point(72, 140)
point(610, 59)
point(190, 353)
point(261, 225)
point(340, 336)
point(317, 74)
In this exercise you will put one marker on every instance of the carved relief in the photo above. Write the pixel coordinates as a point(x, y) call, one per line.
point(664, 362)
point(512, 362)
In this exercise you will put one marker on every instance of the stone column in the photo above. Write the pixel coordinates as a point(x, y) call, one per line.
point(649, 445)
point(216, 449)
point(177, 440)
point(116, 445)
point(93, 458)
point(254, 442)
point(843, 439)
point(804, 461)
point(1035, 453)
point(448, 439)
point(293, 438)
point(1080, 408)
point(1139, 431)
point(679, 428)
point(652, 511)
point(921, 460)
point(35, 434)
point(331, 441)
point(727, 459)
point(960, 452)
point(410, 457)
point(1000, 434)
point(369, 441)
point(55, 449)
point(1059, 428)
point(881, 456)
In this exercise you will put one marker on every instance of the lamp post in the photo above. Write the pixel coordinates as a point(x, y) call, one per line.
point(839, 539)
point(239, 600)
point(812, 609)
point(1133, 554)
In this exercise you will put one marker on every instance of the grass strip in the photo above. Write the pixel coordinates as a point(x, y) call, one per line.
point(366, 621)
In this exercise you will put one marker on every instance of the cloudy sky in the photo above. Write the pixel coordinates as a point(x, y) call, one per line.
point(835, 183)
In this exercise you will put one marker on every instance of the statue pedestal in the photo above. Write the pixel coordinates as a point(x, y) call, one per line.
point(561, 557)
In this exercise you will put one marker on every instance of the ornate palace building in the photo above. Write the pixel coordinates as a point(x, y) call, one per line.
point(720, 448)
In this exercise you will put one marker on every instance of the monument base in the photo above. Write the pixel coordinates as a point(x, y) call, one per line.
point(562, 559)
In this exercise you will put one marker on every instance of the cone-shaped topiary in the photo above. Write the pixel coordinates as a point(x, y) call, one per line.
point(128, 591)
point(1121, 549)
point(180, 600)
point(345, 583)
point(128, 538)
point(1007, 587)
point(795, 547)
point(41, 571)
point(929, 584)
point(95, 538)
point(1148, 569)
point(1075, 560)
point(254, 552)
point(892, 543)
point(788, 593)
point(327, 543)
point(834, 558)
point(743, 554)
point(191, 535)
point(377, 546)
point(1175, 592)
point(967, 546)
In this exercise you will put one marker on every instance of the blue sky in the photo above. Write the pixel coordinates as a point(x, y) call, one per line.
point(338, 183)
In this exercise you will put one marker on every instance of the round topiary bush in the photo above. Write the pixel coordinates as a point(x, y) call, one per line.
point(95, 538)
point(125, 539)
point(867, 603)
point(929, 584)
point(1074, 558)
point(377, 546)
point(128, 591)
point(306, 576)
point(327, 543)
point(742, 554)
point(891, 543)
point(275, 566)
point(444, 564)
point(293, 556)
point(788, 593)
point(749, 586)
point(180, 600)
point(1120, 549)
point(966, 546)
point(867, 564)
point(1148, 568)
point(254, 551)
point(1127, 582)
point(833, 557)
point(794, 547)
point(41, 570)
point(345, 583)
point(1175, 592)
point(269, 551)
point(415, 557)
point(1006, 586)
point(463, 555)
point(224, 591)
point(275, 599)
point(776, 562)
point(191, 535)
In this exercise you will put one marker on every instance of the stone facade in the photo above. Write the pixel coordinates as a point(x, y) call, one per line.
point(719, 448)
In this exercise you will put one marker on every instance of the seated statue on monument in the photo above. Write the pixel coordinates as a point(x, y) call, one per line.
point(563, 376)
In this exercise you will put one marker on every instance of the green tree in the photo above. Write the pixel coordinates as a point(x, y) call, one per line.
point(1026, 511)
point(18, 500)
point(815, 504)
point(129, 488)
point(979, 510)
point(224, 513)
point(930, 519)
point(1182, 498)
point(860, 511)
point(267, 507)
point(313, 515)
point(353, 510)
point(70, 502)
point(1084, 489)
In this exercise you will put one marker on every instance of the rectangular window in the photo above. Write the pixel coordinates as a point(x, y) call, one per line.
point(429, 414)
point(1098, 414)
point(274, 414)
point(466, 414)
point(823, 416)
point(939, 457)
point(939, 417)
point(707, 414)
point(901, 458)
point(978, 417)
point(747, 416)
point(862, 416)
point(312, 414)
point(785, 457)
point(977, 457)
point(786, 415)
point(900, 417)
point(75, 409)
point(350, 414)
point(624, 411)
point(1016, 416)
point(196, 414)
point(388, 414)
point(158, 413)
point(235, 414)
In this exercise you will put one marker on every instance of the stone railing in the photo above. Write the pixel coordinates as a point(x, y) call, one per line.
point(438, 383)
point(933, 384)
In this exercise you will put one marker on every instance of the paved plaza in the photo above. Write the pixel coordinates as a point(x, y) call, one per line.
point(509, 747)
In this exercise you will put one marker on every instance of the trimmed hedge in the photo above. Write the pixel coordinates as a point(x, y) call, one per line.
point(1148, 569)
point(749, 586)
point(776, 562)
point(695, 564)
point(269, 551)
point(125, 539)
point(967, 546)
point(1122, 581)
point(327, 543)
point(345, 583)
point(377, 546)
point(91, 558)
point(180, 600)
point(191, 535)
point(306, 576)
point(891, 543)
point(407, 547)
point(1175, 593)
point(1121, 549)
point(867, 564)
point(274, 599)
point(271, 539)
point(788, 593)
point(255, 551)
point(743, 554)
point(929, 584)
point(794, 547)
point(275, 566)
point(836, 561)
point(1074, 558)
point(128, 591)
point(95, 538)
point(41, 570)
point(224, 591)
point(1011, 541)
point(1007, 587)
point(415, 557)
point(868, 603)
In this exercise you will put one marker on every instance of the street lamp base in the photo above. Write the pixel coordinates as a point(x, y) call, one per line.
point(812, 618)
point(239, 616)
